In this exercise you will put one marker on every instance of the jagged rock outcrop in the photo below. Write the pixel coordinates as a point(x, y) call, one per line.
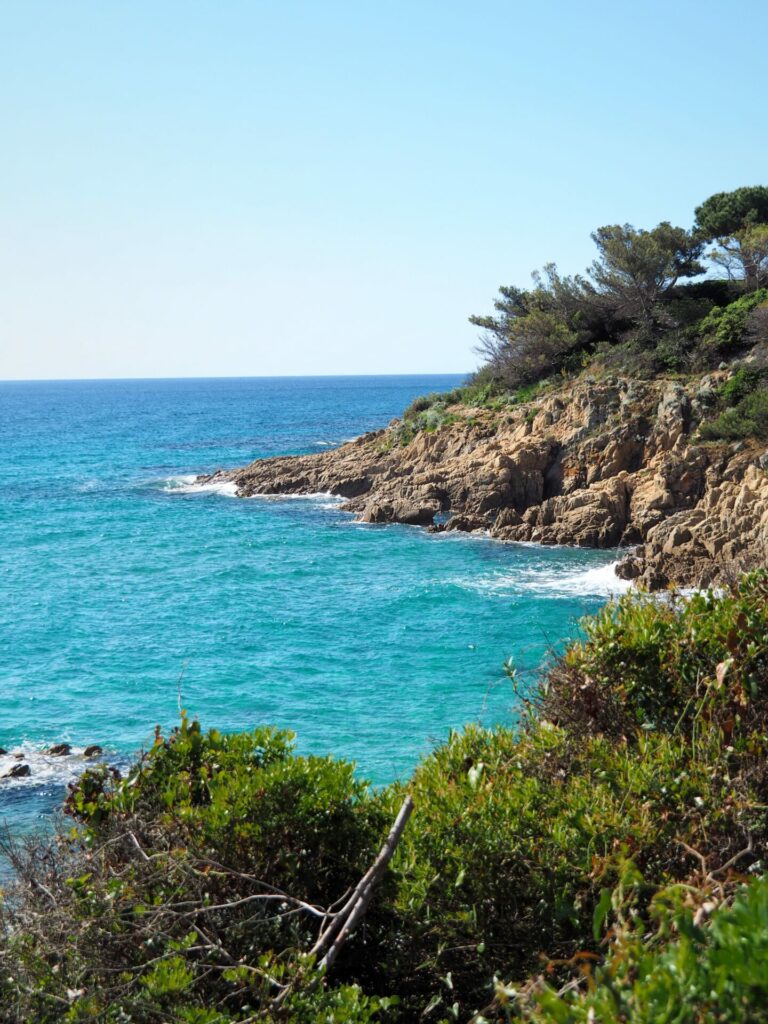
point(614, 463)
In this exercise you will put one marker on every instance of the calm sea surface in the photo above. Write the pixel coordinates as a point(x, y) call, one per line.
point(124, 588)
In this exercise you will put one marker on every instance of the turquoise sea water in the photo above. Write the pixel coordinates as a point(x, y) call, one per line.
point(125, 588)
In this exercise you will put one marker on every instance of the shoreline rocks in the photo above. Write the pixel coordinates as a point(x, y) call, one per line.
point(602, 465)
point(21, 769)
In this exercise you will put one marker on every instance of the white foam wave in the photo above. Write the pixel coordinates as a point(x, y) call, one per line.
point(601, 580)
point(187, 484)
point(551, 581)
point(331, 500)
point(45, 770)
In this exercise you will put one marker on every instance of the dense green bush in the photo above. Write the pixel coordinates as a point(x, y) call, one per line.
point(745, 397)
point(712, 972)
point(189, 887)
point(724, 328)
point(517, 836)
point(748, 418)
point(648, 664)
point(741, 384)
point(421, 404)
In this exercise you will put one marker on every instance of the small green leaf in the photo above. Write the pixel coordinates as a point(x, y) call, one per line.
point(601, 912)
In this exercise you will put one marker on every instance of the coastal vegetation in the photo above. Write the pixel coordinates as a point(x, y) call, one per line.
point(599, 861)
point(645, 306)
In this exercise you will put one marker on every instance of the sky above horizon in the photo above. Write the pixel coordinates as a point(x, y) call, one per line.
point(255, 188)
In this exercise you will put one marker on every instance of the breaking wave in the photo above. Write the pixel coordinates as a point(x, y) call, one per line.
point(550, 581)
point(187, 484)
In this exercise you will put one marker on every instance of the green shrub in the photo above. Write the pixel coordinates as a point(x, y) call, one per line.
point(650, 739)
point(523, 395)
point(724, 328)
point(428, 420)
point(517, 836)
point(650, 664)
point(421, 404)
point(748, 418)
point(711, 972)
point(741, 384)
point(188, 884)
point(430, 412)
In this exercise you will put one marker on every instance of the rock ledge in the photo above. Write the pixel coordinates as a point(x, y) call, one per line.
point(609, 464)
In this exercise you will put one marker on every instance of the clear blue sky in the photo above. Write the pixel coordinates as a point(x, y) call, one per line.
point(244, 188)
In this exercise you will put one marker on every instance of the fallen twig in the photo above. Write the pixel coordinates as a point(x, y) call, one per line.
point(345, 921)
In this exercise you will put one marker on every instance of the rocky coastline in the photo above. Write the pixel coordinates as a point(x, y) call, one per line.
point(608, 463)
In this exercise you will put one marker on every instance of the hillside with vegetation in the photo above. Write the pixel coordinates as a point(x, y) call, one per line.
point(626, 407)
point(646, 306)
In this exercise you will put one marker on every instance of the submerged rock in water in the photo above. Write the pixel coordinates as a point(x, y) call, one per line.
point(93, 750)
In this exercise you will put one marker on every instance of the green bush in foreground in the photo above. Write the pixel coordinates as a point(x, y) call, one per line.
point(194, 889)
point(689, 970)
point(191, 886)
point(650, 664)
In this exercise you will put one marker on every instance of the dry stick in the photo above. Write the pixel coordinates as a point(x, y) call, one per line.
point(262, 897)
point(347, 919)
point(735, 859)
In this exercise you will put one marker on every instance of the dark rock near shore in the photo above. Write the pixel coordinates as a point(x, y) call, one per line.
point(58, 750)
point(94, 750)
point(467, 524)
point(17, 771)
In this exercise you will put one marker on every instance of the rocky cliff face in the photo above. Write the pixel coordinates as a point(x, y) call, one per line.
point(602, 464)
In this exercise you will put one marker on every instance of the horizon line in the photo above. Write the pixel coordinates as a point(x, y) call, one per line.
point(269, 376)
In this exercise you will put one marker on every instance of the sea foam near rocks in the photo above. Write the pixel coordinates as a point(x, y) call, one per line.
point(599, 580)
point(549, 581)
point(45, 769)
point(187, 484)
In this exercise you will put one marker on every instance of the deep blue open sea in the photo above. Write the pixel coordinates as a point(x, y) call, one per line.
point(123, 588)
